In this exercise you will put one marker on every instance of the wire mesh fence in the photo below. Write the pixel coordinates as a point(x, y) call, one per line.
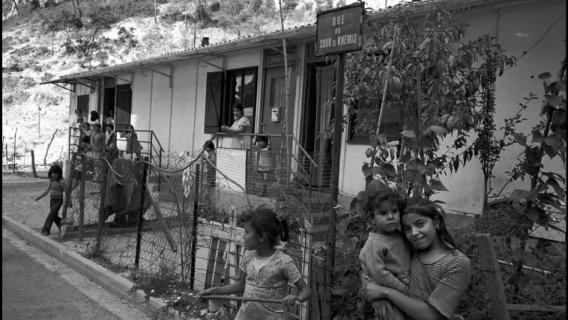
point(191, 232)
point(191, 207)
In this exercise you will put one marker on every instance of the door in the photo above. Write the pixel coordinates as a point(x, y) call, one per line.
point(108, 104)
point(324, 113)
point(275, 100)
point(123, 105)
point(317, 117)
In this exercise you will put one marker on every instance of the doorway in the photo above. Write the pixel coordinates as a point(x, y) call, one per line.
point(317, 120)
point(123, 108)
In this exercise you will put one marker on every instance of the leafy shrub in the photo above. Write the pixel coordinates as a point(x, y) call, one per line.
point(13, 68)
point(46, 77)
point(7, 43)
point(15, 98)
point(27, 82)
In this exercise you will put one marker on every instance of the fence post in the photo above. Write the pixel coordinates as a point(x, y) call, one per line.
point(141, 216)
point(68, 190)
point(492, 277)
point(181, 229)
point(102, 216)
point(14, 155)
point(34, 172)
point(194, 228)
point(82, 199)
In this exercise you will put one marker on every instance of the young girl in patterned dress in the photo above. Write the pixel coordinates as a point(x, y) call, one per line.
point(265, 270)
point(439, 273)
point(385, 257)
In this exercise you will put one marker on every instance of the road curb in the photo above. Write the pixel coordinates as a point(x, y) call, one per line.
point(112, 282)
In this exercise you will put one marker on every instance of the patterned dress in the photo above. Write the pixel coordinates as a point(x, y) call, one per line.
point(270, 282)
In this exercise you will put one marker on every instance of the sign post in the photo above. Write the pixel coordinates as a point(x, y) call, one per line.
point(338, 31)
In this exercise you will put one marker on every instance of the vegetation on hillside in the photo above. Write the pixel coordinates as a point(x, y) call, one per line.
point(43, 39)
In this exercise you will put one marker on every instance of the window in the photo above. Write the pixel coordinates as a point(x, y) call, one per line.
point(226, 90)
point(83, 104)
point(363, 118)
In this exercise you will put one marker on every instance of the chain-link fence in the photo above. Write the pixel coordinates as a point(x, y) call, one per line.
point(191, 232)
point(191, 235)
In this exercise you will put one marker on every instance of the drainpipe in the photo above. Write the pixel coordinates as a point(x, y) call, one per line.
point(151, 93)
point(171, 106)
point(195, 107)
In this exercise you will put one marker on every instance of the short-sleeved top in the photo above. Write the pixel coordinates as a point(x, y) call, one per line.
point(242, 142)
point(57, 189)
point(442, 283)
point(387, 257)
point(270, 282)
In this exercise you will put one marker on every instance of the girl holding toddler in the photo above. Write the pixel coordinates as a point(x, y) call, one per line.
point(439, 273)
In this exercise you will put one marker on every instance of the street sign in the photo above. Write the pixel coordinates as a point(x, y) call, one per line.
point(339, 30)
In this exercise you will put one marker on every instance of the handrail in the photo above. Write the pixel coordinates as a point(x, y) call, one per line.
point(222, 134)
point(304, 150)
point(304, 171)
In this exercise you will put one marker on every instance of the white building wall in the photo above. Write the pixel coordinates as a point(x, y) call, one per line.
point(141, 101)
point(520, 29)
point(183, 119)
point(160, 110)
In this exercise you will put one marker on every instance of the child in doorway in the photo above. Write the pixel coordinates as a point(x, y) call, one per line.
point(264, 164)
point(209, 163)
point(110, 144)
point(56, 190)
point(97, 148)
point(385, 257)
point(265, 270)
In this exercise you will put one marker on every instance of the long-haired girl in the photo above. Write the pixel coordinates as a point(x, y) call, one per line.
point(56, 190)
point(439, 273)
point(265, 270)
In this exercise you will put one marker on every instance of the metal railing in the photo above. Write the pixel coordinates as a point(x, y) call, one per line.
point(294, 160)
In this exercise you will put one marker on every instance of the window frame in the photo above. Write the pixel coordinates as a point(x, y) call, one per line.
point(227, 97)
point(363, 138)
point(228, 101)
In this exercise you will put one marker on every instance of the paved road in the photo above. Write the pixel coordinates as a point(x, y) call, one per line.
point(38, 286)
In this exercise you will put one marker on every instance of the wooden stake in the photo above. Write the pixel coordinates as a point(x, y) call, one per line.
point(492, 276)
point(14, 155)
point(82, 197)
point(34, 172)
point(48, 146)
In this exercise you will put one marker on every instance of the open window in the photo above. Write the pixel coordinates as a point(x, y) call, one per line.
point(224, 90)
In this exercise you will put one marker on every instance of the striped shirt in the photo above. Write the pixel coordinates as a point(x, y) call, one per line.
point(442, 283)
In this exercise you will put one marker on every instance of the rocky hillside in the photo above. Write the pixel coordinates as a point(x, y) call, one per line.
point(42, 41)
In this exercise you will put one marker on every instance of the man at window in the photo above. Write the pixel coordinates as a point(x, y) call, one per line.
point(240, 125)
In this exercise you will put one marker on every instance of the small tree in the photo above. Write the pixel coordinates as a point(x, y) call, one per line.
point(440, 84)
point(547, 188)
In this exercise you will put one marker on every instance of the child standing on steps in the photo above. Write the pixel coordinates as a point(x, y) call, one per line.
point(265, 270)
point(56, 190)
point(385, 257)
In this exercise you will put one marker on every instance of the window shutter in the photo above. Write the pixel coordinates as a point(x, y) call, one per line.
point(83, 105)
point(123, 110)
point(214, 95)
